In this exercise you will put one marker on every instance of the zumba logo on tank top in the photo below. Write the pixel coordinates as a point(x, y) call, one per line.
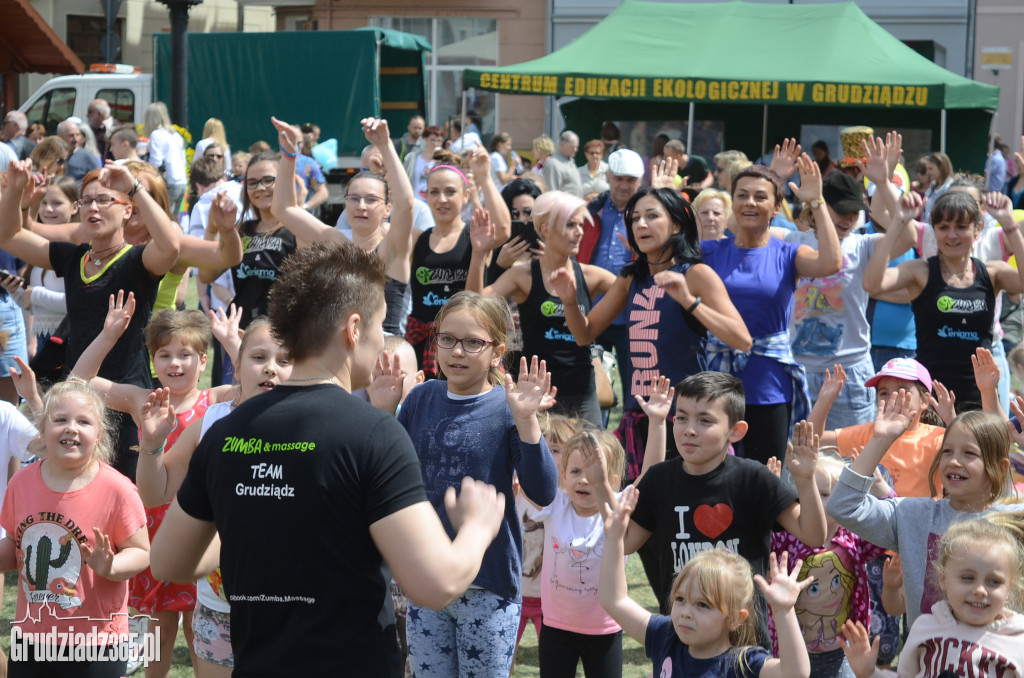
point(555, 309)
point(947, 304)
point(259, 243)
point(445, 277)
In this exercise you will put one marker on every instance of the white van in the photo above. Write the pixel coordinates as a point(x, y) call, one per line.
point(126, 88)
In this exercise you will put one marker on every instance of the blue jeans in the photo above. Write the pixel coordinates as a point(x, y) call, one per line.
point(880, 355)
point(855, 404)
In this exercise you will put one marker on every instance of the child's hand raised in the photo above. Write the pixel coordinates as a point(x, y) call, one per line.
point(157, 420)
point(775, 466)
point(100, 556)
point(894, 416)
point(659, 403)
point(944, 402)
point(833, 384)
point(526, 396)
point(892, 572)
point(595, 467)
point(25, 384)
point(858, 648)
point(784, 588)
point(385, 390)
point(225, 326)
point(119, 313)
point(616, 518)
point(802, 452)
point(986, 371)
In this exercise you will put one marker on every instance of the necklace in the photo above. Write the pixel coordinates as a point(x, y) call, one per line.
point(332, 380)
point(99, 260)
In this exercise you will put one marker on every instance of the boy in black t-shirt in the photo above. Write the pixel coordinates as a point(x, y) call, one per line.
point(311, 489)
point(711, 498)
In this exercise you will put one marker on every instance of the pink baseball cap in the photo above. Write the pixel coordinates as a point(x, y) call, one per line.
point(902, 368)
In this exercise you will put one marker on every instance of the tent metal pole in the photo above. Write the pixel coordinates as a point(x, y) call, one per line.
point(942, 130)
point(764, 131)
point(689, 130)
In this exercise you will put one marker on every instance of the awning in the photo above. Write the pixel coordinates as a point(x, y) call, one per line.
point(29, 45)
point(741, 53)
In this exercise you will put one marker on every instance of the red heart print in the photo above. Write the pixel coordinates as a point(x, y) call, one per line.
point(713, 520)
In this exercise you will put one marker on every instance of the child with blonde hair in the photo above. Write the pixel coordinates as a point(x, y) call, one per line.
point(974, 630)
point(711, 630)
point(76, 533)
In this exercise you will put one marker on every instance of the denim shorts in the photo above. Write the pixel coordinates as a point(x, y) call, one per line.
point(856, 403)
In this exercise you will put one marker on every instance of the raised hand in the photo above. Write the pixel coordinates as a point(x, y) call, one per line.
point(944, 401)
point(908, 207)
point(1000, 207)
point(289, 137)
point(481, 231)
point(663, 173)
point(775, 466)
point(595, 466)
point(119, 313)
point(802, 452)
point(376, 131)
point(810, 180)
point(19, 174)
point(223, 212)
point(1017, 408)
point(616, 518)
point(563, 283)
point(784, 159)
point(157, 420)
point(659, 403)
point(25, 383)
point(526, 395)
point(100, 556)
point(861, 653)
point(784, 588)
point(894, 416)
point(116, 177)
point(833, 384)
point(225, 327)
point(892, 572)
point(893, 150)
point(388, 382)
point(480, 163)
point(986, 371)
point(875, 163)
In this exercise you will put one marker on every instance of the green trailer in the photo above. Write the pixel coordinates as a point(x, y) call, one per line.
point(330, 78)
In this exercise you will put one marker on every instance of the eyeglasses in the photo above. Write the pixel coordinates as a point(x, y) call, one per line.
point(368, 200)
point(525, 212)
point(265, 182)
point(470, 344)
point(101, 201)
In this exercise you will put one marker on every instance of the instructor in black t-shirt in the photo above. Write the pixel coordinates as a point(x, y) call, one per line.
point(311, 489)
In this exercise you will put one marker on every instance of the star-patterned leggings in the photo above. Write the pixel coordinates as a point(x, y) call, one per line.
point(474, 637)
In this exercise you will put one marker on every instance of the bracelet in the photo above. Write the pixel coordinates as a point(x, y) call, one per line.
point(138, 448)
point(135, 189)
point(1008, 231)
point(696, 303)
point(289, 155)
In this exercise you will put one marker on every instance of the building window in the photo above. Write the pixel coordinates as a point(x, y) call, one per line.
point(458, 42)
point(84, 35)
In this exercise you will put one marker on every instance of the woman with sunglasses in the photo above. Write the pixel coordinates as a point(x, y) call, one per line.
point(368, 205)
point(99, 268)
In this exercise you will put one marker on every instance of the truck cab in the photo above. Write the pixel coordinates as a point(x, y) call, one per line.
point(126, 88)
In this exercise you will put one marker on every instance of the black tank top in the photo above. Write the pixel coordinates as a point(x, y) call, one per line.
point(545, 334)
point(951, 323)
point(437, 276)
point(261, 264)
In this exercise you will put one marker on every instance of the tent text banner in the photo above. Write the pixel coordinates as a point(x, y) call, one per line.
point(707, 90)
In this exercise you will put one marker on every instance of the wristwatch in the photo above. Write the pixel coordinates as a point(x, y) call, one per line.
point(817, 202)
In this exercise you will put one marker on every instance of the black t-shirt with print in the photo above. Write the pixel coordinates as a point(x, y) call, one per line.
point(293, 479)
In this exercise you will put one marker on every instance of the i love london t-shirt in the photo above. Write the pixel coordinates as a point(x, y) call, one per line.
point(733, 507)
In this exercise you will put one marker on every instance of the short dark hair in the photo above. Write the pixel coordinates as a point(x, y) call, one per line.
point(125, 133)
point(760, 172)
point(712, 386)
point(207, 170)
point(518, 187)
point(684, 245)
point(958, 207)
point(319, 287)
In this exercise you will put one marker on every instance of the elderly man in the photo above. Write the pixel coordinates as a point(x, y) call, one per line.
point(560, 173)
point(15, 125)
point(81, 161)
point(101, 122)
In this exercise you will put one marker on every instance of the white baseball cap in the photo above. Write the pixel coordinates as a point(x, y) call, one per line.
point(626, 163)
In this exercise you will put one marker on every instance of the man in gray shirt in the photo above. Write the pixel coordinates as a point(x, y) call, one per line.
point(560, 172)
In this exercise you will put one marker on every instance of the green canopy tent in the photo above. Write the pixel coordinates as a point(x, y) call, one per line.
point(762, 69)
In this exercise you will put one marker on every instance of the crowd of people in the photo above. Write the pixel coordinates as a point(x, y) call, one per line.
point(405, 456)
